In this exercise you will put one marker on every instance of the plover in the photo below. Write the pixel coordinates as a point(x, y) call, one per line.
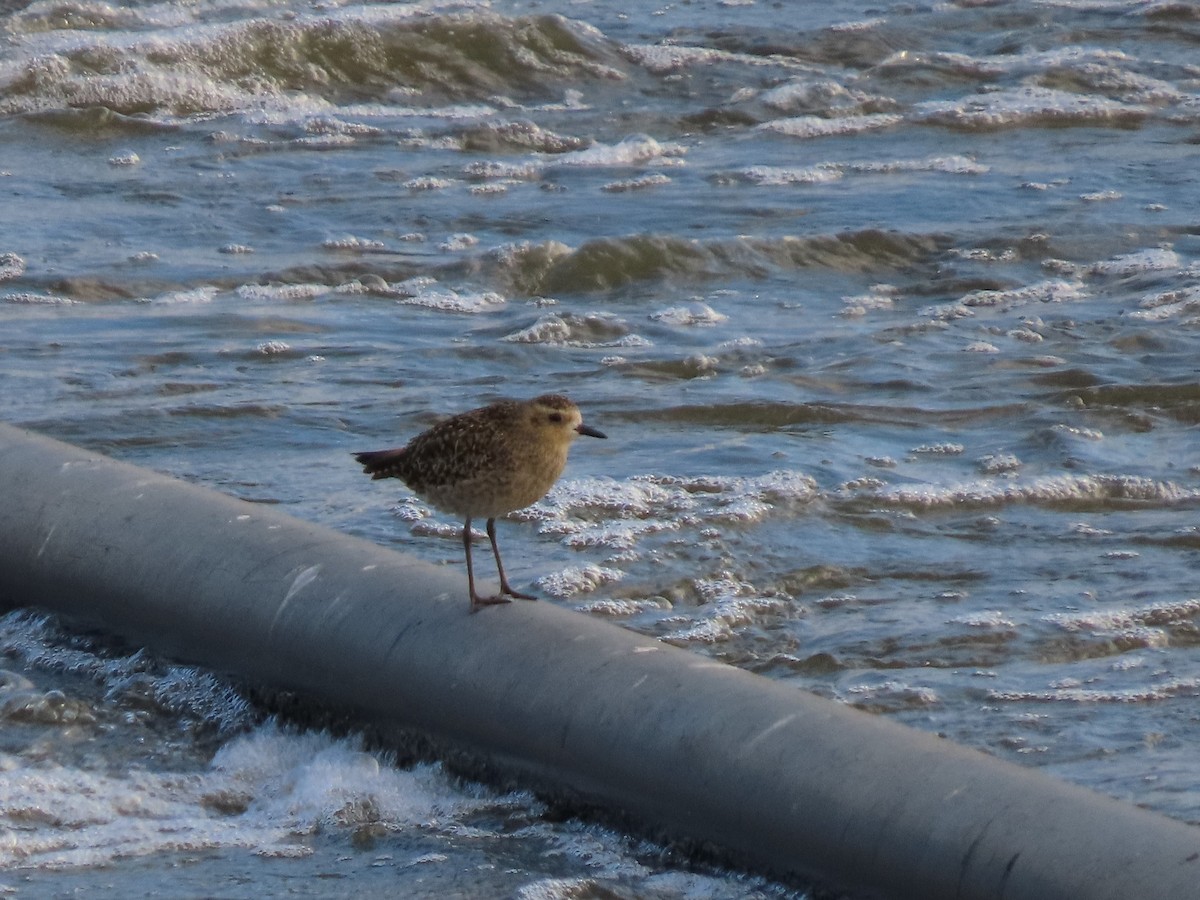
point(486, 463)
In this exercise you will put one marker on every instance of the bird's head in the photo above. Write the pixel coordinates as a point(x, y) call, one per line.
point(556, 415)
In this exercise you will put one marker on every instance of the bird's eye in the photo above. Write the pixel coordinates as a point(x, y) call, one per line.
point(556, 417)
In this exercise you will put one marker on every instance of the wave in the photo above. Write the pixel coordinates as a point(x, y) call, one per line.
point(1059, 491)
point(131, 64)
point(606, 263)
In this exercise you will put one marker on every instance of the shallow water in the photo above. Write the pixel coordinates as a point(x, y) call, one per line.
point(890, 313)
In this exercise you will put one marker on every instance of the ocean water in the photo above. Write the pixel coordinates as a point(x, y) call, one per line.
point(891, 313)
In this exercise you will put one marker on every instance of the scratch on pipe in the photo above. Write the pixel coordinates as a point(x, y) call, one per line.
point(46, 542)
point(769, 730)
point(302, 579)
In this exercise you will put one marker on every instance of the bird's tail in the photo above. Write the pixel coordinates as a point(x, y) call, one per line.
point(382, 463)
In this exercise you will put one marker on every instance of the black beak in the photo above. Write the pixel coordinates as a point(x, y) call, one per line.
point(589, 431)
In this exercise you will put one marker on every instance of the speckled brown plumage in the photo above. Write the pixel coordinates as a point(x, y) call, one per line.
point(486, 463)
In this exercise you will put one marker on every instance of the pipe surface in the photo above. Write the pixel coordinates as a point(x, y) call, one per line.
point(788, 782)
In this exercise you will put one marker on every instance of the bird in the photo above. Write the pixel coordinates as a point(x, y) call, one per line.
point(486, 463)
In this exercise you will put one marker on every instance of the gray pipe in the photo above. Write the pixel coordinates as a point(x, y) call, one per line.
point(787, 782)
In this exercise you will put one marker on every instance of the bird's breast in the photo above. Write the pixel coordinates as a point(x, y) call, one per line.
point(503, 486)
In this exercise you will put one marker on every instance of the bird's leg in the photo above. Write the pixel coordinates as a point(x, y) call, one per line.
point(505, 588)
point(476, 600)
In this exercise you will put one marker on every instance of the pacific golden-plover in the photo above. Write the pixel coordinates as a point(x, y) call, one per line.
point(486, 462)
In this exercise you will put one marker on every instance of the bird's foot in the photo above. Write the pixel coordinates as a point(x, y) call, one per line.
point(507, 590)
point(478, 602)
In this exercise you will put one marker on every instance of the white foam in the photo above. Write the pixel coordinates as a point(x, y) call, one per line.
point(1069, 691)
point(20, 701)
point(457, 112)
point(352, 243)
point(1155, 616)
point(32, 299)
point(943, 449)
point(606, 513)
point(183, 690)
point(893, 694)
point(1027, 103)
point(1024, 335)
point(814, 93)
point(655, 179)
point(984, 254)
point(998, 463)
point(591, 331)
point(727, 605)
point(204, 293)
point(263, 791)
point(1168, 304)
point(1047, 489)
point(425, 291)
point(858, 25)
point(777, 176)
point(458, 242)
point(1087, 434)
point(828, 172)
point(947, 312)
point(267, 293)
point(953, 165)
point(977, 67)
point(989, 618)
point(11, 266)
point(638, 149)
point(429, 183)
point(616, 607)
point(981, 347)
point(1101, 196)
point(661, 59)
point(1155, 259)
point(815, 126)
point(879, 297)
point(506, 170)
point(575, 580)
point(1049, 291)
point(1087, 530)
point(695, 313)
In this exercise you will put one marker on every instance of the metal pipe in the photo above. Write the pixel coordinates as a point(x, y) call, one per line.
point(786, 782)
